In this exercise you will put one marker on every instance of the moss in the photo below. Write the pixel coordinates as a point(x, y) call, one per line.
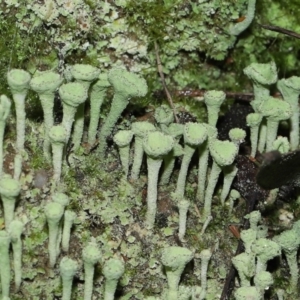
point(37, 160)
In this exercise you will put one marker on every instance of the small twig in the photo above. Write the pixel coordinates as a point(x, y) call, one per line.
point(162, 77)
point(281, 30)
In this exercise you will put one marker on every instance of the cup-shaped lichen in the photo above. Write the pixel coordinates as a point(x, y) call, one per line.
point(212, 133)
point(140, 130)
point(174, 260)
point(84, 74)
point(72, 95)
point(68, 268)
point(156, 145)
point(289, 242)
point(98, 91)
point(15, 230)
point(112, 270)
point(61, 198)
point(91, 254)
point(54, 212)
point(45, 84)
point(18, 81)
point(57, 136)
point(223, 154)
point(262, 75)
point(169, 163)
point(264, 251)
point(126, 85)
point(175, 130)
point(123, 139)
point(9, 191)
point(281, 144)
point(244, 263)
point(164, 116)
point(194, 135)
point(69, 217)
point(275, 111)
point(213, 101)
point(237, 135)
point(253, 121)
point(262, 281)
point(205, 256)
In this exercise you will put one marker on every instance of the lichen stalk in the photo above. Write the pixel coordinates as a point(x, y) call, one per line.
point(72, 95)
point(15, 231)
point(294, 130)
point(175, 259)
point(95, 107)
point(188, 153)
point(126, 85)
point(213, 179)
point(47, 102)
point(254, 121)
point(183, 206)
point(202, 171)
point(153, 165)
point(18, 160)
point(78, 126)
point(19, 100)
point(118, 105)
point(96, 99)
point(53, 212)
point(229, 175)
point(69, 217)
point(18, 81)
point(254, 139)
point(85, 75)
point(125, 157)
point(169, 162)
point(272, 128)
point(57, 137)
point(113, 269)
point(138, 157)
point(68, 119)
point(291, 258)
point(205, 256)
point(262, 136)
point(91, 255)
point(4, 264)
point(194, 135)
point(203, 152)
point(68, 269)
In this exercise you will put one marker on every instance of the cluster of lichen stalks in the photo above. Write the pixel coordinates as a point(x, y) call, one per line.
point(161, 144)
point(56, 137)
point(264, 122)
point(164, 146)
